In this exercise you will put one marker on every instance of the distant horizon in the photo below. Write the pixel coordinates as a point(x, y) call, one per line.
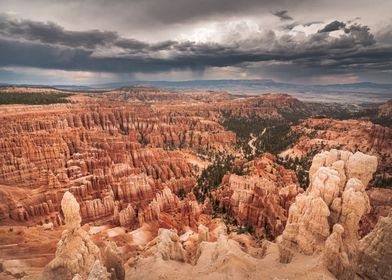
point(354, 93)
point(191, 80)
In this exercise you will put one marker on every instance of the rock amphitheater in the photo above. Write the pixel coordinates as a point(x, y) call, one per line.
point(101, 189)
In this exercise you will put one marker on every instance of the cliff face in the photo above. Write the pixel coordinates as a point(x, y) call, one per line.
point(107, 157)
point(385, 111)
point(266, 106)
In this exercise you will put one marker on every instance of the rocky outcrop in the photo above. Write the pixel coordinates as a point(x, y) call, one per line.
point(385, 112)
point(169, 246)
point(127, 217)
point(262, 198)
point(256, 201)
point(336, 258)
point(334, 202)
point(71, 211)
point(225, 257)
point(266, 106)
point(75, 253)
point(375, 251)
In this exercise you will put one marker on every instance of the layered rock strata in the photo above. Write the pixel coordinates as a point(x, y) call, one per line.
point(108, 156)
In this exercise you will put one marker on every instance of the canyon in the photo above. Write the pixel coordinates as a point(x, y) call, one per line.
point(158, 184)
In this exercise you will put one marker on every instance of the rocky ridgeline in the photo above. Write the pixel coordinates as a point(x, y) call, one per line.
point(385, 111)
point(325, 219)
point(351, 135)
point(218, 106)
point(266, 106)
point(108, 158)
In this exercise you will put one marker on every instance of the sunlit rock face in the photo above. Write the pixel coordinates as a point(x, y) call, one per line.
point(108, 155)
point(326, 217)
point(258, 201)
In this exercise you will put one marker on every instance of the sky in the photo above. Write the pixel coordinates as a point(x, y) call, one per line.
point(85, 42)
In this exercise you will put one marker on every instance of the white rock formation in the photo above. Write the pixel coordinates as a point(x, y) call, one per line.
point(169, 246)
point(361, 166)
point(71, 211)
point(48, 226)
point(335, 256)
point(75, 253)
point(336, 196)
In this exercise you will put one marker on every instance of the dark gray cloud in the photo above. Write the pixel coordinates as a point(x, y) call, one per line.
point(282, 15)
point(361, 33)
point(151, 13)
point(333, 26)
point(54, 34)
point(358, 33)
point(53, 47)
point(109, 36)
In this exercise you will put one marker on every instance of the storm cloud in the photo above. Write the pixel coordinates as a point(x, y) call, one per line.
point(51, 46)
point(305, 47)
